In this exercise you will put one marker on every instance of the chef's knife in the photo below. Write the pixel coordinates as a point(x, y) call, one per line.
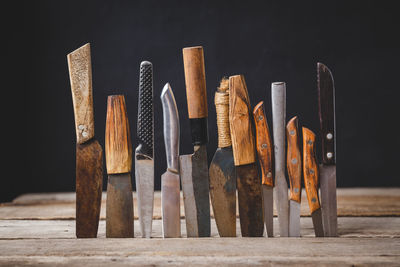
point(310, 172)
point(326, 97)
point(264, 151)
point(248, 181)
point(89, 154)
point(222, 169)
point(194, 167)
point(119, 210)
point(144, 154)
point(170, 190)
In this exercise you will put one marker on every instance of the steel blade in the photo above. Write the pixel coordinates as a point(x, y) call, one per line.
point(317, 222)
point(294, 218)
point(328, 199)
point(268, 203)
point(170, 204)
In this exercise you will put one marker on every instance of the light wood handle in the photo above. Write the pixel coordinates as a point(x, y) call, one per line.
point(240, 124)
point(195, 78)
point(310, 169)
point(118, 137)
point(293, 159)
point(80, 75)
point(263, 144)
point(221, 101)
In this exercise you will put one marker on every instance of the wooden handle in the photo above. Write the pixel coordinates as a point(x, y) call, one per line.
point(310, 169)
point(239, 119)
point(80, 75)
point(118, 137)
point(293, 160)
point(221, 101)
point(263, 144)
point(195, 78)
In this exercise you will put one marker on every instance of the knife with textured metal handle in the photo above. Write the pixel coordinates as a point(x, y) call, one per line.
point(144, 153)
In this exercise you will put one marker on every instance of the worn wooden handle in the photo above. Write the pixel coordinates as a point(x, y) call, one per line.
point(195, 78)
point(293, 159)
point(118, 137)
point(263, 144)
point(240, 124)
point(221, 101)
point(80, 75)
point(310, 169)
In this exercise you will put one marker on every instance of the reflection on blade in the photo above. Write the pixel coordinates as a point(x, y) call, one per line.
point(170, 204)
point(328, 199)
point(294, 218)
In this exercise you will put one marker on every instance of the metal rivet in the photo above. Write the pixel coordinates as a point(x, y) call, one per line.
point(294, 161)
point(264, 146)
point(309, 142)
point(329, 155)
point(291, 132)
point(269, 174)
point(313, 200)
point(296, 190)
point(81, 127)
point(329, 136)
point(260, 118)
point(311, 171)
point(84, 134)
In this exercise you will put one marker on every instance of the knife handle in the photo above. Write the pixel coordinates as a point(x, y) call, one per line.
point(80, 75)
point(278, 97)
point(263, 144)
point(221, 101)
point(118, 137)
point(310, 169)
point(145, 132)
point(196, 93)
point(293, 159)
point(239, 120)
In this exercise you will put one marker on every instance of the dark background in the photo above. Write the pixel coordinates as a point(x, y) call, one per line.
point(265, 41)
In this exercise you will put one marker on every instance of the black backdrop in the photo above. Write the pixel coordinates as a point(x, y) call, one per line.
point(265, 41)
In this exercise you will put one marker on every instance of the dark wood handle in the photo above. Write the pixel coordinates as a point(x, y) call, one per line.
point(118, 137)
point(263, 144)
point(293, 160)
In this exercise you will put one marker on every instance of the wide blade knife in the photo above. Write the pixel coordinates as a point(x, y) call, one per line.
point(222, 168)
point(326, 97)
point(194, 167)
point(247, 178)
point(294, 165)
point(264, 151)
point(170, 184)
point(310, 172)
point(144, 153)
point(89, 154)
point(119, 210)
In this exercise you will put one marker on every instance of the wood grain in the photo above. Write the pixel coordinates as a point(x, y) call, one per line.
point(195, 79)
point(80, 74)
point(293, 159)
point(118, 137)
point(263, 144)
point(240, 124)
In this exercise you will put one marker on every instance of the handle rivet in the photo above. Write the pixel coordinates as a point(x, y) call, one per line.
point(269, 174)
point(311, 171)
point(329, 155)
point(264, 146)
point(260, 118)
point(291, 132)
point(84, 134)
point(313, 200)
point(294, 161)
point(309, 142)
point(296, 190)
point(329, 136)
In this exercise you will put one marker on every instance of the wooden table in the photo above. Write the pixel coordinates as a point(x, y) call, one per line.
point(39, 229)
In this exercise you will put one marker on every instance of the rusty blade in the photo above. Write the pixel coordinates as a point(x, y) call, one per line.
point(170, 204)
point(89, 181)
point(328, 199)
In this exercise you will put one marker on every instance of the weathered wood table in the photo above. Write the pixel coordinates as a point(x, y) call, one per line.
point(39, 229)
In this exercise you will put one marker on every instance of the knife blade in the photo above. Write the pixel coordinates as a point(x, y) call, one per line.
point(248, 181)
point(310, 172)
point(170, 185)
point(89, 154)
point(293, 163)
point(144, 153)
point(119, 205)
point(222, 169)
point(278, 94)
point(194, 167)
point(264, 151)
point(326, 97)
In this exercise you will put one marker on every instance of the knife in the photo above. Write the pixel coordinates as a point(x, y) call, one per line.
point(144, 153)
point(222, 168)
point(293, 163)
point(170, 187)
point(89, 154)
point(278, 93)
point(264, 151)
point(194, 167)
point(326, 97)
point(310, 172)
point(248, 181)
point(119, 209)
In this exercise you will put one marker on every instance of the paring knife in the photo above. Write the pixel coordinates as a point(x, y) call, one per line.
point(89, 154)
point(222, 168)
point(278, 93)
point(326, 97)
point(310, 172)
point(293, 163)
point(194, 167)
point(144, 153)
point(170, 190)
point(119, 210)
point(248, 181)
point(264, 151)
